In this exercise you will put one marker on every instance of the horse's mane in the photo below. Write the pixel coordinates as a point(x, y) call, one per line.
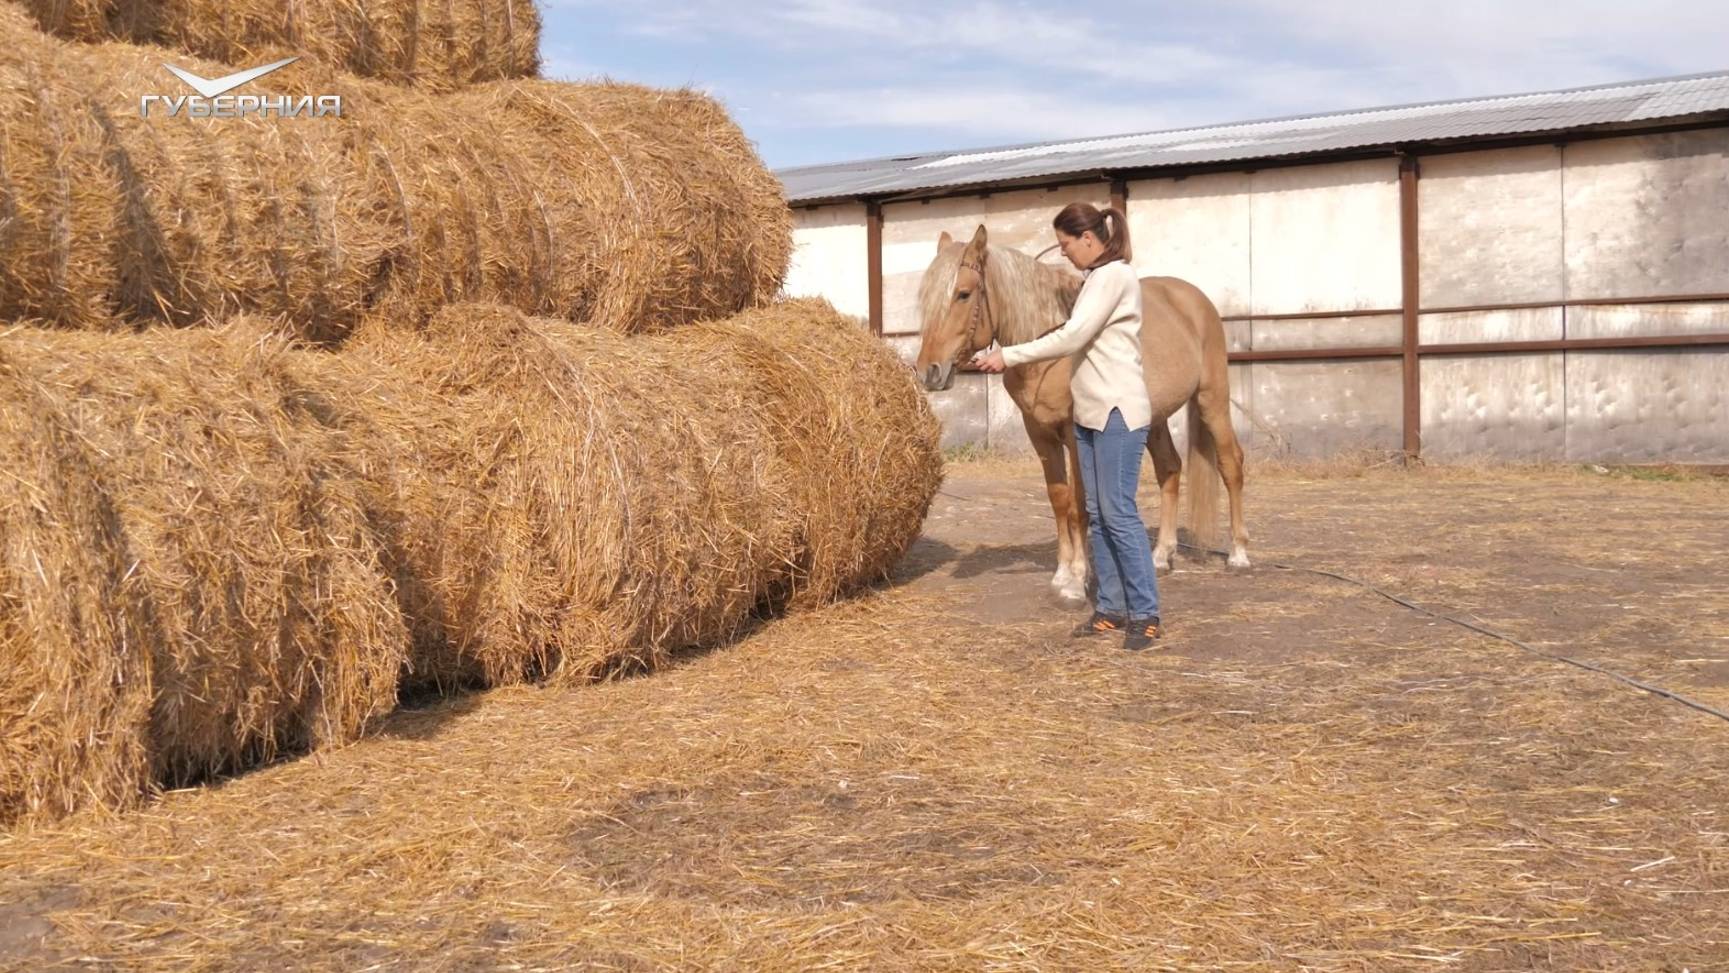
point(1028, 298)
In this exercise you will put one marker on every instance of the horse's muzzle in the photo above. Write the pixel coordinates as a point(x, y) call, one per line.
point(938, 377)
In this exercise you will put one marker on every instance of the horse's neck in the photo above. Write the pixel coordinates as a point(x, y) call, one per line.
point(1032, 298)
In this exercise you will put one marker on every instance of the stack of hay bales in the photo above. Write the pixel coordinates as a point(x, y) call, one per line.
point(494, 389)
point(217, 547)
point(628, 207)
point(438, 46)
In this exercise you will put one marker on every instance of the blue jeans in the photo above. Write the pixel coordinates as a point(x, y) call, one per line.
point(1122, 552)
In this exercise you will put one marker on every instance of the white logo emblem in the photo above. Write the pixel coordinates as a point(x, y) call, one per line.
point(228, 82)
point(214, 101)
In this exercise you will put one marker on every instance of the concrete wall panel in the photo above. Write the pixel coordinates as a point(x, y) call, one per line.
point(829, 258)
point(1197, 229)
point(1645, 406)
point(1648, 215)
point(1489, 227)
point(1326, 237)
point(1505, 406)
point(1463, 327)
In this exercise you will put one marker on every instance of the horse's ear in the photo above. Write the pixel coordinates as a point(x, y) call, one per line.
point(944, 239)
point(976, 249)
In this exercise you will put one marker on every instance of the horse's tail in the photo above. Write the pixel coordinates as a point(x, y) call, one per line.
point(1203, 480)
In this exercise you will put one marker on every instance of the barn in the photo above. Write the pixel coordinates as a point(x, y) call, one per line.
point(1535, 277)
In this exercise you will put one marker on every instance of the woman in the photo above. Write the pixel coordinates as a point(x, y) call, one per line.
point(1112, 415)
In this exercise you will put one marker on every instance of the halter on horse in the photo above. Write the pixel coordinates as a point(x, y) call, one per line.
point(976, 316)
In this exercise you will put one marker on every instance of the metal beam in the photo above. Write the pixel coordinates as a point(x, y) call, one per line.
point(1581, 302)
point(1380, 312)
point(1408, 271)
point(1478, 308)
point(874, 263)
point(1581, 344)
point(1314, 354)
point(1636, 343)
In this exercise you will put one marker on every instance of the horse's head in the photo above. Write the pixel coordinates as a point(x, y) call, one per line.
point(956, 312)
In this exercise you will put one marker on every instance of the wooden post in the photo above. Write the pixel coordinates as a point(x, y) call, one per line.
point(874, 263)
point(1408, 266)
point(1120, 194)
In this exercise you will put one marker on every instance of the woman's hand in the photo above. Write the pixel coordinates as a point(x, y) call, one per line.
point(989, 362)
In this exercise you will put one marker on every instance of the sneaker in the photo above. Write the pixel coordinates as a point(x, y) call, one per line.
point(1143, 632)
point(1099, 624)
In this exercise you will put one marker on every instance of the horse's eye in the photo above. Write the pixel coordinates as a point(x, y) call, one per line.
point(963, 295)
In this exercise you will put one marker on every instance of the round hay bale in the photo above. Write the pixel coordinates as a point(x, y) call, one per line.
point(857, 442)
point(578, 502)
point(437, 46)
point(119, 220)
point(56, 202)
point(190, 580)
point(624, 207)
point(568, 499)
point(651, 207)
point(73, 674)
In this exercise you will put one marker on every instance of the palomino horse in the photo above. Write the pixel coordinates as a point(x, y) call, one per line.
point(975, 294)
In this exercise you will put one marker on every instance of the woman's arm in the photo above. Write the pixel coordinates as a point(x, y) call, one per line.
point(1099, 297)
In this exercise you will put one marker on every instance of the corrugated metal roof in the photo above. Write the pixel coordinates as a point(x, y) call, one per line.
point(1552, 111)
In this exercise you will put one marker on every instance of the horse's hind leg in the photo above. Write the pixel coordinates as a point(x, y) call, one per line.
point(1216, 414)
point(1168, 470)
point(1063, 486)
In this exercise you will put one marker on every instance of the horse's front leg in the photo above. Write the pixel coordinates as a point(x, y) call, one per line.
point(1063, 486)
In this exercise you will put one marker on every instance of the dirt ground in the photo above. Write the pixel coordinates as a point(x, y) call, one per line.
point(1306, 776)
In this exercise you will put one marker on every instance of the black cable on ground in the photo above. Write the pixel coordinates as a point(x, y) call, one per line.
point(1580, 663)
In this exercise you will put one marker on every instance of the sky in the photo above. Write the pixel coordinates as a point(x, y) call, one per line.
point(813, 81)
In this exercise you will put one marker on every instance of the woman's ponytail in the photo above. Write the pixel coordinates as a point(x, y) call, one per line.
point(1110, 225)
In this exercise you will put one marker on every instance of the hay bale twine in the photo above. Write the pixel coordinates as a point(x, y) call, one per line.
point(437, 46)
point(189, 576)
point(625, 207)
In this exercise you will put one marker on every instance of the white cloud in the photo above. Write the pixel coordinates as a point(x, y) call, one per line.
point(992, 71)
point(1480, 47)
point(849, 16)
point(968, 114)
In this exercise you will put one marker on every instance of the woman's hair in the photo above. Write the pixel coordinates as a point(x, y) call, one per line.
point(1108, 224)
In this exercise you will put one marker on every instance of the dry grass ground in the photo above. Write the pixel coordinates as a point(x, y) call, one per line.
point(934, 777)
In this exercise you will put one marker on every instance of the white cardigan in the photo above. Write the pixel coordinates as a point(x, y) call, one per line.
point(1104, 335)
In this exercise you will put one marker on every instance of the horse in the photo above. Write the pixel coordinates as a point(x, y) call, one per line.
point(974, 295)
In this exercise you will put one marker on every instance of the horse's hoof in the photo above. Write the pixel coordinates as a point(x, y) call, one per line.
point(1164, 564)
point(1238, 561)
point(1069, 596)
